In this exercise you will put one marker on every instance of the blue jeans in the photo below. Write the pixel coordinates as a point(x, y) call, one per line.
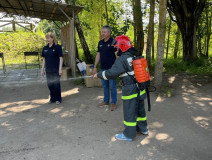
point(109, 86)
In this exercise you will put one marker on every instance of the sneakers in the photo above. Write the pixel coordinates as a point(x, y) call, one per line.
point(122, 137)
point(113, 107)
point(57, 102)
point(146, 132)
point(49, 102)
point(102, 104)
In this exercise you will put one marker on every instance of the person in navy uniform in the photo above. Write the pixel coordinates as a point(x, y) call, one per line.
point(52, 67)
point(106, 55)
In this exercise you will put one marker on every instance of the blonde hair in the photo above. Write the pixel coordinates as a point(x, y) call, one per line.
point(52, 35)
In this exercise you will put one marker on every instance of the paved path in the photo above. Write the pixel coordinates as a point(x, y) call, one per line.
point(20, 76)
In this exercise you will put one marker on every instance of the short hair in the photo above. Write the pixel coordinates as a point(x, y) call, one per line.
point(52, 35)
point(107, 27)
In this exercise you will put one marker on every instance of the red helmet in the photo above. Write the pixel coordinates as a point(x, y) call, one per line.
point(123, 42)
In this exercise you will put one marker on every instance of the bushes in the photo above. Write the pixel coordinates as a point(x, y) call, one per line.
point(13, 45)
point(201, 66)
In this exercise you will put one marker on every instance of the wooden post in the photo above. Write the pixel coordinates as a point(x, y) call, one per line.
point(72, 44)
point(13, 24)
point(31, 27)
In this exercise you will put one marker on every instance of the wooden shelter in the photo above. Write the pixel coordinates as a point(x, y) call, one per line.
point(51, 11)
point(28, 27)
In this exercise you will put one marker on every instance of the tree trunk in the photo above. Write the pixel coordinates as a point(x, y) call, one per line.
point(153, 44)
point(200, 47)
point(169, 31)
point(83, 42)
point(106, 12)
point(199, 40)
point(150, 31)
point(177, 40)
point(189, 41)
point(101, 21)
point(208, 22)
point(138, 26)
point(161, 44)
point(76, 49)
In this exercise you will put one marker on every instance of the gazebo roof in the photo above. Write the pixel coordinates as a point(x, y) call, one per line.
point(39, 9)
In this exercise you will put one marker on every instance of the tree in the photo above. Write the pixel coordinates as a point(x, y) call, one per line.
point(150, 38)
point(83, 42)
point(177, 40)
point(138, 26)
point(169, 31)
point(153, 44)
point(161, 43)
point(106, 12)
point(208, 29)
point(186, 15)
point(49, 26)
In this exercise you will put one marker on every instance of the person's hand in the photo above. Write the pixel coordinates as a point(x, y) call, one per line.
point(116, 52)
point(42, 72)
point(60, 72)
point(94, 71)
point(95, 75)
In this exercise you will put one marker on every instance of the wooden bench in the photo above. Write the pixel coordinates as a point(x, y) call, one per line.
point(66, 73)
point(31, 54)
point(3, 62)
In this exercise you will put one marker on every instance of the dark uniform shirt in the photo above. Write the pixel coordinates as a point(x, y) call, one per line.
point(52, 57)
point(107, 53)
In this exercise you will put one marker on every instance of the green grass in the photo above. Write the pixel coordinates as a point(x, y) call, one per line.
point(199, 67)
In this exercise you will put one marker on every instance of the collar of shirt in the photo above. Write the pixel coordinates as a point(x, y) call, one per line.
point(51, 46)
point(108, 41)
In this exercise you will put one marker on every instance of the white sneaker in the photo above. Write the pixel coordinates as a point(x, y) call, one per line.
point(145, 133)
point(49, 102)
point(57, 102)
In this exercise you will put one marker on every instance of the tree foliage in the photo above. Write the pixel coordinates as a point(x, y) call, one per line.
point(13, 45)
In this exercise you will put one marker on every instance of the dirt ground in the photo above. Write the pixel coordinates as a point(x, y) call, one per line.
point(180, 123)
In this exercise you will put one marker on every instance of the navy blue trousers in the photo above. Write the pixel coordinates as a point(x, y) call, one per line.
point(53, 82)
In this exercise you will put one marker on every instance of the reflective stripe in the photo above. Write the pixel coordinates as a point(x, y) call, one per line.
point(133, 95)
point(125, 74)
point(141, 119)
point(129, 60)
point(131, 124)
point(103, 75)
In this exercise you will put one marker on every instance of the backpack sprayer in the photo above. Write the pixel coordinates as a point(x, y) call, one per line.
point(142, 76)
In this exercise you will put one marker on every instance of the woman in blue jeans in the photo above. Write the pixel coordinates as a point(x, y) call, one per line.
point(52, 66)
